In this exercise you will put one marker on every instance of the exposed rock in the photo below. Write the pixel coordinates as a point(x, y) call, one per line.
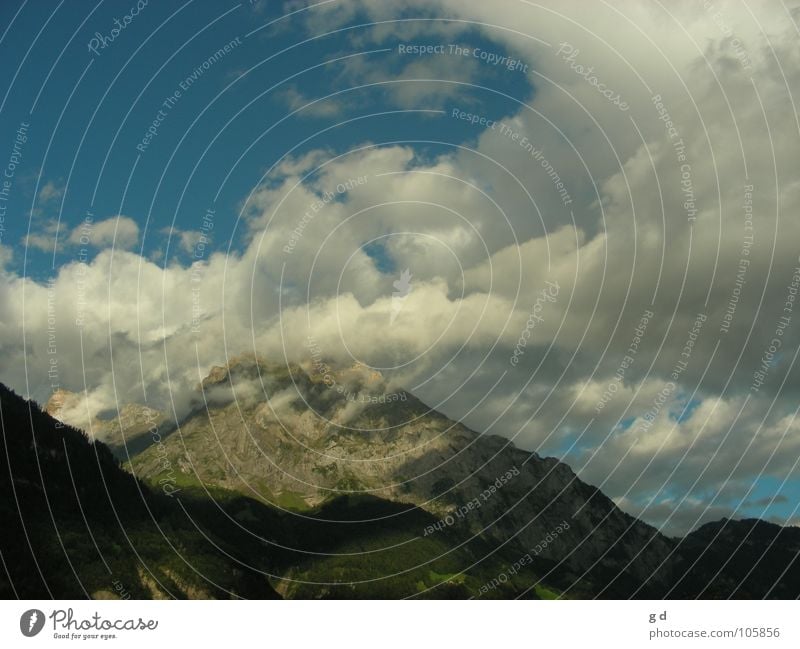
point(127, 431)
point(298, 441)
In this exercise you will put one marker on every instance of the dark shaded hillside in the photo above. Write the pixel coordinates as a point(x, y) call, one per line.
point(76, 525)
point(377, 554)
point(747, 559)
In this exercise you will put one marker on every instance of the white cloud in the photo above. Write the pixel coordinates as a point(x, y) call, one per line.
point(6, 256)
point(312, 106)
point(117, 231)
point(186, 240)
point(50, 191)
point(121, 232)
point(44, 238)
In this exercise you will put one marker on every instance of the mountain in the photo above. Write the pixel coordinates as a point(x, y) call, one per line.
point(739, 559)
point(331, 432)
point(325, 481)
point(126, 431)
point(76, 525)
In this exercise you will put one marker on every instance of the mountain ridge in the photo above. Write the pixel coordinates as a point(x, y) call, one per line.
point(293, 446)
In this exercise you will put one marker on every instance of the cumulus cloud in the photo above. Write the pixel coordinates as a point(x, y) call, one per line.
point(44, 237)
point(425, 82)
point(50, 191)
point(310, 106)
point(186, 240)
point(117, 231)
point(6, 255)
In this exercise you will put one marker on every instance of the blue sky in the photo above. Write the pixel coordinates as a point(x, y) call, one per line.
point(89, 111)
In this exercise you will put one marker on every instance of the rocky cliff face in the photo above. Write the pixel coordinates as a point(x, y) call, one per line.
point(296, 437)
point(126, 431)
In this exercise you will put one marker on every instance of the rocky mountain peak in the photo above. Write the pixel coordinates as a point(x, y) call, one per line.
point(59, 400)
